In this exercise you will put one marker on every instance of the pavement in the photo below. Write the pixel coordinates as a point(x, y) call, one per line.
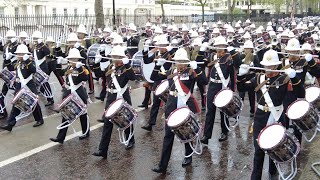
point(27, 153)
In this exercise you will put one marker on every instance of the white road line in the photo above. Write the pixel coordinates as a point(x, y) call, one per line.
point(51, 144)
point(47, 146)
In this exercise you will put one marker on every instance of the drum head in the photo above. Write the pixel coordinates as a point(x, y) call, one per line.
point(223, 97)
point(270, 136)
point(178, 116)
point(312, 93)
point(161, 87)
point(114, 106)
point(298, 109)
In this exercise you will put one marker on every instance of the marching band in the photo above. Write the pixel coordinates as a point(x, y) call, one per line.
point(278, 66)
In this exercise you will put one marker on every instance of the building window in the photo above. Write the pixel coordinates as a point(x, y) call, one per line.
point(216, 5)
point(65, 12)
point(1, 11)
point(142, 1)
point(86, 12)
point(226, 3)
point(75, 12)
point(54, 12)
point(16, 11)
point(136, 1)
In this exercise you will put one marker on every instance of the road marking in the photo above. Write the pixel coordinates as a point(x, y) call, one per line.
point(47, 146)
point(52, 144)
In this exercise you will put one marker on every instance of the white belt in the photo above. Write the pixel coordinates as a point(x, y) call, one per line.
point(215, 81)
point(267, 109)
point(112, 91)
point(173, 93)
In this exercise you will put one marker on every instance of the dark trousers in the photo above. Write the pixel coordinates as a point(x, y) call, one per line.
point(154, 110)
point(5, 89)
point(90, 80)
point(167, 148)
point(259, 154)
point(52, 67)
point(108, 126)
point(37, 114)
point(106, 136)
point(104, 88)
point(251, 95)
point(211, 113)
point(147, 95)
point(84, 125)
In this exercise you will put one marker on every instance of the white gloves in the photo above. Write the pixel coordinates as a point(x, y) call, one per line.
point(8, 56)
point(40, 41)
point(125, 60)
point(160, 62)
point(169, 48)
point(308, 57)
point(147, 42)
point(78, 64)
point(193, 64)
point(290, 72)
point(13, 40)
point(26, 41)
point(60, 60)
point(240, 50)
point(244, 69)
point(77, 45)
point(204, 46)
point(128, 37)
point(97, 59)
point(25, 57)
point(230, 48)
point(58, 44)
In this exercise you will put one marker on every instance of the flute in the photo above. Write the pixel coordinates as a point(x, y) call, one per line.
point(269, 70)
point(302, 55)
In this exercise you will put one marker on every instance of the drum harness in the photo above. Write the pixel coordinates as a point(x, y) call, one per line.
point(222, 80)
point(23, 82)
point(73, 88)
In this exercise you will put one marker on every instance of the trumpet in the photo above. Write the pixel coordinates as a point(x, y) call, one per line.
point(274, 41)
point(230, 39)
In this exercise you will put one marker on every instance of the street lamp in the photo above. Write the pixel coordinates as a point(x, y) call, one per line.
point(114, 14)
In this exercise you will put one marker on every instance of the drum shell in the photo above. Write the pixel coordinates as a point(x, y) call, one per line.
point(316, 102)
point(286, 150)
point(7, 76)
point(233, 108)
point(187, 130)
point(25, 100)
point(163, 95)
point(307, 121)
point(123, 117)
point(72, 107)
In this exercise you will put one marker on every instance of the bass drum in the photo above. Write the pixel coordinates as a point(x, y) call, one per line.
point(146, 69)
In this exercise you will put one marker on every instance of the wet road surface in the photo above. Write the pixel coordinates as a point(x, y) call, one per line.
point(27, 153)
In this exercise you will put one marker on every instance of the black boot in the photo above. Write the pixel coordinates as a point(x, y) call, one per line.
point(85, 136)
point(38, 123)
point(7, 127)
point(56, 140)
point(130, 145)
point(49, 103)
point(99, 154)
point(147, 127)
point(223, 137)
point(204, 140)
point(186, 161)
point(158, 169)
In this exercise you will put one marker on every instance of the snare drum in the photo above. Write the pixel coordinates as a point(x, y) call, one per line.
point(92, 52)
point(25, 100)
point(280, 145)
point(72, 107)
point(228, 102)
point(313, 96)
point(162, 90)
point(136, 65)
point(8, 76)
point(147, 69)
point(121, 113)
point(184, 124)
point(40, 77)
point(303, 114)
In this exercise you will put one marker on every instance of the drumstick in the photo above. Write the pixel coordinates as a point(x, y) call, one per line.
point(131, 47)
point(264, 69)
